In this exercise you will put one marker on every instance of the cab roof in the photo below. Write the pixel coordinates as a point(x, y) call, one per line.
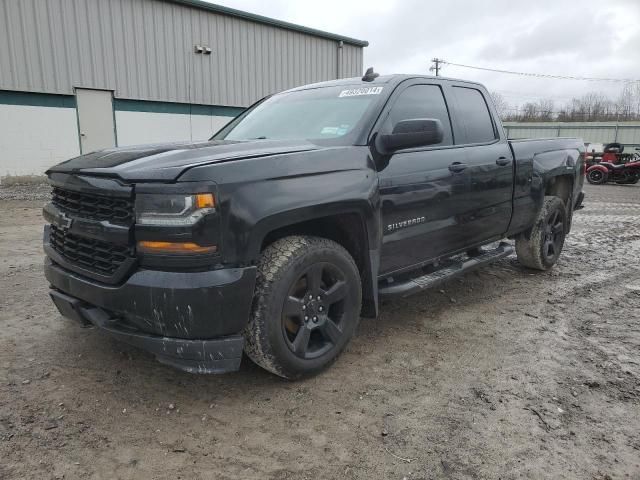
point(392, 79)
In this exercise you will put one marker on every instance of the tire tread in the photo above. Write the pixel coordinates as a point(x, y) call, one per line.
point(528, 249)
point(275, 260)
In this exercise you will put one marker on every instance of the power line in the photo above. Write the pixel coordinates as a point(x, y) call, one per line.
point(507, 93)
point(541, 75)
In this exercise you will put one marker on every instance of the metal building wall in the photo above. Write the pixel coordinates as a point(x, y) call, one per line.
point(591, 132)
point(143, 49)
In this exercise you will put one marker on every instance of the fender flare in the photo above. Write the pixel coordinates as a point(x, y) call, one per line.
point(602, 168)
point(371, 231)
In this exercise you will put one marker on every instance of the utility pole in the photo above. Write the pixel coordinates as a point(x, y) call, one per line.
point(436, 65)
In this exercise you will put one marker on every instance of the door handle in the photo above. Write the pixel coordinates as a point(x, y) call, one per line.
point(456, 167)
point(502, 161)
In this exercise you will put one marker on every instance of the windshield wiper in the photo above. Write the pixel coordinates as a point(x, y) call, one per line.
point(259, 138)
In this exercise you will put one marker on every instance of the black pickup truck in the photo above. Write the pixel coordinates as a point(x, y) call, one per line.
point(277, 234)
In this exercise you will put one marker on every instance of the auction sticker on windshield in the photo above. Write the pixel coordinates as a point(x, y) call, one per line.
point(354, 92)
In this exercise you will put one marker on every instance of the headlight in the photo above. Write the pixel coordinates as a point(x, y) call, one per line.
point(173, 210)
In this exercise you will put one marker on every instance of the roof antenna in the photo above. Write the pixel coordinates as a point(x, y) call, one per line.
point(370, 75)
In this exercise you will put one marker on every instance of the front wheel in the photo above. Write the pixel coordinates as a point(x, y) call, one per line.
point(597, 177)
point(540, 249)
point(306, 306)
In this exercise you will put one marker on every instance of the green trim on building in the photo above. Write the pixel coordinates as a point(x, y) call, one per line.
point(212, 7)
point(124, 105)
point(8, 97)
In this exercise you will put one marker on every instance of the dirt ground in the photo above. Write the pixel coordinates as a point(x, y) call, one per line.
point(504, 373)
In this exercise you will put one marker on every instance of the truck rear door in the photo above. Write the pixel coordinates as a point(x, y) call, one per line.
point(488, 164)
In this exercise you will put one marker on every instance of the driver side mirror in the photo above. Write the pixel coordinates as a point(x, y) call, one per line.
point(412, 133)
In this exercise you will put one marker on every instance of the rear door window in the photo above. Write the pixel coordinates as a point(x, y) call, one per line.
point(473, 111)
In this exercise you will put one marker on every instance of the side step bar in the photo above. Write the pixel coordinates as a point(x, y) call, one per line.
point(430, 280)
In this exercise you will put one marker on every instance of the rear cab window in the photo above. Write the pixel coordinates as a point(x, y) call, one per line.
point(473, 113)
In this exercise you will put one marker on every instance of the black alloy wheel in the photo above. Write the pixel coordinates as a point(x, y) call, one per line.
point(553, 237)
point(313, 311)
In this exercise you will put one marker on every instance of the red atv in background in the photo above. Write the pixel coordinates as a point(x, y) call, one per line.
point(610, 168)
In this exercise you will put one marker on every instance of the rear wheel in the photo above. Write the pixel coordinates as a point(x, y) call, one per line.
point(597, 177)
point(306, 306)
point(628, 180)
point(541, 249)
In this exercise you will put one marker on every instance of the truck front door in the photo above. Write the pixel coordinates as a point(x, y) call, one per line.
point(422, 194)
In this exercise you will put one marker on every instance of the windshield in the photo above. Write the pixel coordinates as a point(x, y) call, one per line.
point(313, 114)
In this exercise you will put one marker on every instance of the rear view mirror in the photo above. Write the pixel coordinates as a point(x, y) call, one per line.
point(418, 132)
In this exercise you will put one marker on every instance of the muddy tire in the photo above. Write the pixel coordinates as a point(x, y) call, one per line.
point(597, 177)
point(306, 306)
point(541, 248)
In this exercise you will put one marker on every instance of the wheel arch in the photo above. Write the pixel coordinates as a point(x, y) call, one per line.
point(356, 230)
point(601, 168)
point(560, 186)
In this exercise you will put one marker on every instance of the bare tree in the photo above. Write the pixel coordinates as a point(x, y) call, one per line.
point(502, 107)
point(540, 111)
point(625, 105)
point(529, 112)
point(636, 100)
point(545, 110)
point(590, 107)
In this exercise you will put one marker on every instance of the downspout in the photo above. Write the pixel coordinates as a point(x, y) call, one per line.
point(339, 60)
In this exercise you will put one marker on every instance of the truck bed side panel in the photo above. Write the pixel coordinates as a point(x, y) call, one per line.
point(537, 162)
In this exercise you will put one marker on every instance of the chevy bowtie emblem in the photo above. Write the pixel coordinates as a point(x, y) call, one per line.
point(64, 222)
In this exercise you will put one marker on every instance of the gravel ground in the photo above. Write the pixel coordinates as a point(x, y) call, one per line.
point(34, 192)
point(504, 373)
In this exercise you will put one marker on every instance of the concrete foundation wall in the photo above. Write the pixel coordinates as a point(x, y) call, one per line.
point(150, 127)
point(34, 138)
point(38, 131)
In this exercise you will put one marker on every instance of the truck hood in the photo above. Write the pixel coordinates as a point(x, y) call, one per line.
point(166, 162)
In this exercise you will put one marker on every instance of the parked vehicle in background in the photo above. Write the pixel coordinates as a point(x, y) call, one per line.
point(614, 168)
point(612, 153)
point(593, 152)
point(293, 220)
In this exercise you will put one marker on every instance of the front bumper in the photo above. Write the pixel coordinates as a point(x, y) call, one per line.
point(191, 320)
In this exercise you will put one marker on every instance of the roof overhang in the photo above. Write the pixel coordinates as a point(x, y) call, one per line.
point(212, 7)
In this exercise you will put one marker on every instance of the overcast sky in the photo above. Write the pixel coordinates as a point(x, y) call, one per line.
point(595, 38)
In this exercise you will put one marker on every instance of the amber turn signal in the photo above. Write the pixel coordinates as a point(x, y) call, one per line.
point(148, 246)
point(205, 200)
